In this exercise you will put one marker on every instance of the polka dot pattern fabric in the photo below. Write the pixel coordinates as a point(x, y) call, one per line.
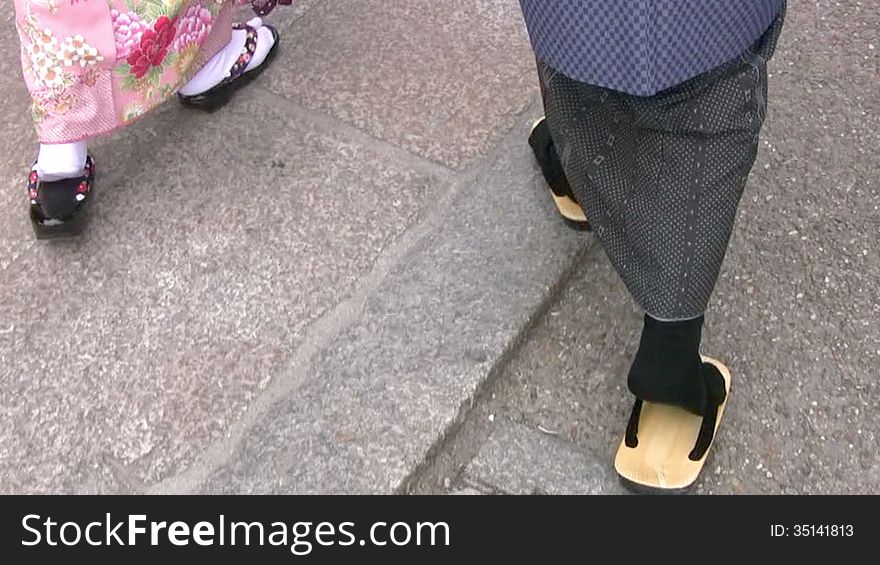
point(643, 46)
point(660, 177)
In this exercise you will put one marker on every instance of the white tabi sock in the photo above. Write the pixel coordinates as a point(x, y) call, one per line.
point(61, 161)
point(218, 67)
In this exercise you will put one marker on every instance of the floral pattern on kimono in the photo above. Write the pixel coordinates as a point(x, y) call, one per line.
point(92, 66)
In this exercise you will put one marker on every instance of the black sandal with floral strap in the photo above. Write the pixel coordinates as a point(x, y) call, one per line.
point(215, 98)
point(58, 207)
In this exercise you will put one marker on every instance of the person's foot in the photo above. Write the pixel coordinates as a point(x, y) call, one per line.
point(667, 366)
point(57, 206)
point(249, 52)
point(58, 161)
point(666, 447)
point(680, 398)
point(551, 167)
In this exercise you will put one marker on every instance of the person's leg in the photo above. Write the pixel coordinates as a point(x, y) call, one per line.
point(667, 366)
point(541, 142)
point(660, 179)
point(710, 129)
point(66, 160)
point(217, 68)
point(74, 102)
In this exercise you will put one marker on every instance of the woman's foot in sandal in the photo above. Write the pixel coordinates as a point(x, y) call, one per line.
point(545, 153)
point(58, 200)
point(252, 48)
point(681, 398)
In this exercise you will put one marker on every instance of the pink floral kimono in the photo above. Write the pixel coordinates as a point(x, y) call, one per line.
point(94, 65)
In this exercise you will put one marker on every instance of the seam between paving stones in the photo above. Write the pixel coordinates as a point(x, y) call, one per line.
point(348, 311)
point(310, 6)
point(461, 440)
point(483, 487)
point(334, 123)
point(448, 464)
point(293, 110)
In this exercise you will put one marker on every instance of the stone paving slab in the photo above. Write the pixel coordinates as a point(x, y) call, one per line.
point(146, 338)
point(440, 79)
point(381, 393)
point(521, 460)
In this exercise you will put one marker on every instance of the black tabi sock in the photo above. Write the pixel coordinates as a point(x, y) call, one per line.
point(668, 367)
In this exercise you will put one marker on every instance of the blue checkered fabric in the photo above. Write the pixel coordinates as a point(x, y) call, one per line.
point(642, 47)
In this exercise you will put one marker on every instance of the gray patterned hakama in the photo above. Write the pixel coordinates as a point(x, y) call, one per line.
point(660, 177)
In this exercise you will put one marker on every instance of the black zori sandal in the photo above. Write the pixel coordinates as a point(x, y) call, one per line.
point(551, 167)
point(215, 98)
point(58, 207)
point(666, 447)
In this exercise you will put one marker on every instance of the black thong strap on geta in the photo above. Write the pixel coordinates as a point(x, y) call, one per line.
point(717, 392)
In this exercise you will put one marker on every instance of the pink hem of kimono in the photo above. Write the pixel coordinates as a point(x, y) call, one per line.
point(217, 39)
